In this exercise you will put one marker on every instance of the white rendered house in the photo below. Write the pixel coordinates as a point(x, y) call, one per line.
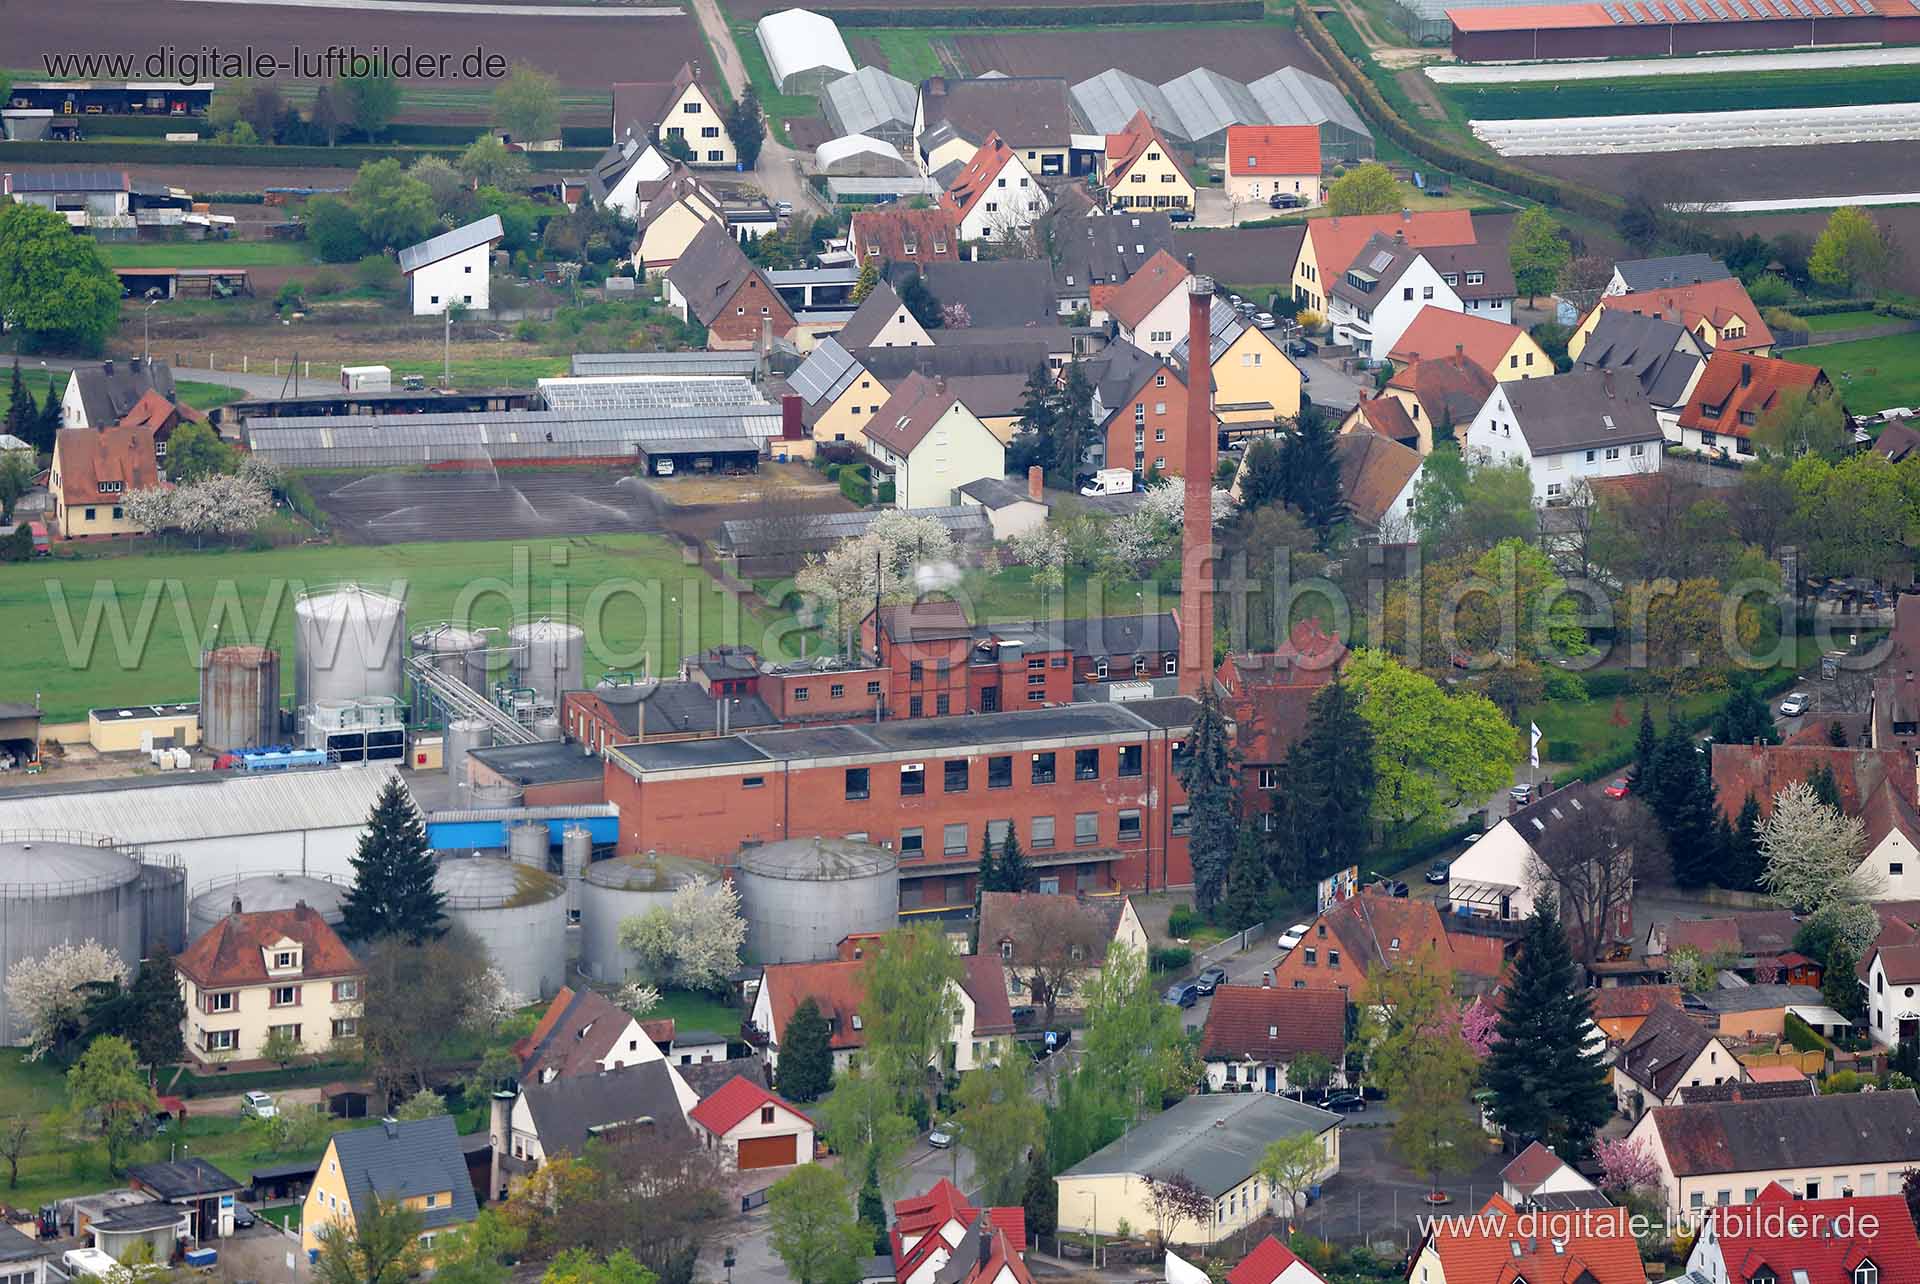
point(451, 268)
point(1573, 427)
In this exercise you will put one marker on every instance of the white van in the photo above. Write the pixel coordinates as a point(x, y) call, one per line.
point(1110, 481)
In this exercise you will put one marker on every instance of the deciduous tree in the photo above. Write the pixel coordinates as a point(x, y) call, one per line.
point(1852, 251)
point(1587, 872)
point(488, 163)
point(1365, 189)
point(371, 100)
point(1056, 940)
point(1175, 1199)
point(55, 289)
point(527, 105)
point(812, 1227)
point(394, 210)
point(1538, 252)
point(692, 942)
point(1000, 1121)
point(106, 1088)
point(1134, 1049)
point(446, 977)
point(910, 1005)
point(1291, 1165)
point(863, 1122)
point(46, 996)
point(379, 1244)
point(1431, 750)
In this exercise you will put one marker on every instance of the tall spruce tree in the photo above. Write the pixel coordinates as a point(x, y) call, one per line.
point(1015, 874)
point(987, 874)
point(21, 410)
point(1744, 719)
point(393, 892)
point(1682, 800)
point(1645, 744)
point(1213, 801)
point(806, 1055)
point(50, 420)
point(1310, 473)
point(157, 1012)
point(1825, 787)
point(1073, 426)
point(873, 1209)
point(1245, 904)
point(1547, 1082)
point(1332, 779)
point(1745, 864)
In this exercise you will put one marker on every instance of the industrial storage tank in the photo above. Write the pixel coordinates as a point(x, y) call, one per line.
point(519, 913)
point(464, 735)
point(802, 895)
point(494, 797)
point(622, 888)
point(239, 697)
point(163, 904)
point(549, 657)
point(61, 888)
point(459, 653)
point(527, 843)
point(576, 853)
point(280, 890)
point(346, 644)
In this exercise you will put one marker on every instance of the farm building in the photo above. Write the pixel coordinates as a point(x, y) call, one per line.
point(859, 155)
point(451, 268)
point(1658, 28)
point(804, 50)
point(873, 103)
point(1196, 110)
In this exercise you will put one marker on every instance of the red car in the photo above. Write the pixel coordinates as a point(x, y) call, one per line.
point(1618, 789)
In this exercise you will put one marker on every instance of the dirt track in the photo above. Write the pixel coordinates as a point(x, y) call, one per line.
point(1159, 54)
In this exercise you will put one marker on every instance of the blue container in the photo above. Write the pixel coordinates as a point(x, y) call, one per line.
point(203, 1258)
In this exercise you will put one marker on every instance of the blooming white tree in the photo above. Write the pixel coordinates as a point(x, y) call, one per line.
point(150, 509)
point(1044, 548)
point(494, 1000)
point(841, 584)
point(637, 997)
point(45, 994)
point(693, 941)
point(1814, 854)
point(218, 504)
point(1139, 540)
point(257, 468)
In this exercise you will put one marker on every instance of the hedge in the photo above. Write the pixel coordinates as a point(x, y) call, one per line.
point(1053, 15)
point(1493, 171)
point(1801, 1035)
point(131, 153)
point(1826, 307)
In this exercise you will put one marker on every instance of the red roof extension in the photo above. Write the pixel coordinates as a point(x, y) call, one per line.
point(739, 1097)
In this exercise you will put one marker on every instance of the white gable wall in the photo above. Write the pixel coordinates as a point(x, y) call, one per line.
point(1496, 434)
point(1012, 200)
point(459, 278)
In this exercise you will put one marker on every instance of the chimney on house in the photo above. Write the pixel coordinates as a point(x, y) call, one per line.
point(940, 384)
point(791, 427)
point(1036, 476)
point(1266, 980)
point(1196, 559)
point(1399, 236)
point(1746, 373)
point(1606, 381)
point(236, 906)
point(392, 1126)
point(1459, 350)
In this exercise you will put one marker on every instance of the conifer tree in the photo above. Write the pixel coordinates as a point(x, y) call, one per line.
point(1681, 796)
point(1332, 782)
point(806, 1055)
point(1245, 904)
point(1824, 786)
point(1744, 863)
point(1645, 743)
point(1207, 773)
point(157, 1013)
point(393, 892)
point(987, 877)
point(21, 410)
point(1547, 1083)
point(1310, 473)
point(873, 1209)
point(1041, 1198)
point(50, 420)
point(1014, 874)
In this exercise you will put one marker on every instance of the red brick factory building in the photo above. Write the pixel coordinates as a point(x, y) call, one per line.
point(1658, 28)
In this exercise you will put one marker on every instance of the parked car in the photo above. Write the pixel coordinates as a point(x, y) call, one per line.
point(943, 1135)
point(1292, 936)
point(1182, 994)
point(1024, 1012)
point(1393, 887)
point(1520, 795)
point(258, 1105)
point(1617, 787)
point(1211, 979)
point(1302, 348)
point(783, 208)
point(1180, 214)
point(1264, 321)
point(1343, 1102)
point(1439, 872)
point(1795, 705)
point(1285, 201)
point(243, 1218)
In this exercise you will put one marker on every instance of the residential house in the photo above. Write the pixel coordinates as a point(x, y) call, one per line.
point(1119, 648)
point(1620, 1010)
point(582, 1032)
point(1500, 1246)
point(261, 973)
point(1142, 172)
point(1893, 974)
point(1726, 1152)
point(1750, 1013)
point(562, 1116)
point(982, 1032)
point(1480, 274)
point(1253, 1034)
point(416, 1163)
point(670, 213)
point(1378, 417)
point(838, 393)
point(1140, 410)
point(994, 299)
point(24, 1260)
point(1265, 161)
point(1539, 1179)
point(990, 377)
point(1270, 1262)
point(1669, 1051)
point(1102, 249)
point(1504, 351)
point(1268, 696)
point(1217, 1140)
point(93, 469)
point(1256, 386)
point(715, 285)
point(1635, 276)
point(616, 178)
point(752, 1128)
point(1008, 929)
point(1378, 476)
point(1897, 440)
point(1440, 395)
point(452, 268)
point(111, 392)
point(1372, 929)
point(679, 109)
point(882, 321)
point(1663, 355)
point(1510, 870)
point(940, 1237)
point(1032, 113)
point(897, 234)
point(195, 1191)
point(1734, 392)
point(1376, 298)
point(1332, 244)
point(1780, 1237)
point(1720, 314)
point(1149, 309)
point(994, 196)
point(926, 440)
point(1742, 942)
point(1570, 428)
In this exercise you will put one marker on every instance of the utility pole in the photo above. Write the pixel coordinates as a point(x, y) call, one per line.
point(446, 349)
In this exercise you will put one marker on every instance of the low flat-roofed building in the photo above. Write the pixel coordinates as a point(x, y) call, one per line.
point(547, 772)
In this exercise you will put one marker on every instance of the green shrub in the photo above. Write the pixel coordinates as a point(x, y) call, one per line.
point(1182, 921)
point(290, 298)
point(1568, 687)
point(1802, 1036)
point(884, 495)
point(1768, 290)
point(1841, 1081)
point(854, 485)
point(324, 282)
point(1825, 307)
point(1782, 321)
point(1170, 958)
point(377, 272)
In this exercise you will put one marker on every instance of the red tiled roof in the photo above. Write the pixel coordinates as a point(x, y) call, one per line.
point(1140, 293)
point(1718, 302)
point(1011, 1221)
point(1491, 1249)
point(975, 178)
point(1901, 963)
point(1374, 469)
point(932, 232)
point(1388, 418)
point(1130, 144)
point(1270, 696)
point(578, 1030)
point(984, 978)
point(1274, 1024)
point(1751, 1239)
point(156, 412)
point(919, 1214)
point(838, 988)
point(1764, 770)
point(1436, 332)
point(1264, 1264)
point(720, 1112)
point(1775, 1074)
point(1531, 1167)
point(89, 457)
point(1336, 241)
point(1736, 384)
point(1633, 1000)
point(1446, 385)
point(232, 952)
point(1259, 150)
point(906, 418)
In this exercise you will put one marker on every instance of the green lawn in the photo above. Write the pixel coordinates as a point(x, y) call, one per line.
point(1870, 374)
point(692, 1011)
point(1812, 87)
point(1830, 322)
point(286, 1215)
point(205, 254)
point(909, 50)
point(629, 591)
point(205, 396)
point(779, 107)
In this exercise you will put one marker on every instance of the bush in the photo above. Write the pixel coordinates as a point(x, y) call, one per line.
point(884, 495)
point(378, 273)
point(324, 282)
point(290, 298)
point(1568, 687)
point(333, 229)
point(1768, 290)
point(1826, 307)
point(1781, 321)
point(1801, 1035)
point(854, 485)
point(1841, 1081)
point(1182, 921)
point(1170, 958)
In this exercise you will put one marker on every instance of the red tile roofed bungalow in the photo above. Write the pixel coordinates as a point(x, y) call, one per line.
point(1331, 245)
point(1660, 29)
point(897, 234)
point(1735, 392)
point(1265, 161)
point(1270, 1262)
point(1254, 1033)
point(752, 1127)
point(1780, 1237)
point(1500, 1246)
point(939, 1227)
point(1268, 697)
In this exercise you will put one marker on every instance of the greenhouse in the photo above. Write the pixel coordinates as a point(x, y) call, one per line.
point(388, 441)
point(804, 50)
point(871, 102)
point(1195, 110)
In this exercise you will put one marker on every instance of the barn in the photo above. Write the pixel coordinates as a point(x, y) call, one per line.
point(1660, 28)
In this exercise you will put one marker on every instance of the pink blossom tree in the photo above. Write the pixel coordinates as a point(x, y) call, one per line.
point(1625, 1165)
point(1479, 1026)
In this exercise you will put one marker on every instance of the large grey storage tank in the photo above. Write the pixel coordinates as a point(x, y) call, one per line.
point(346, 644)
point(528, 842)
point(576, 853)
point(519, 913)
point(163, 905)
point(281, 890)
point(464, 735)
point(59, 889)
point(622, 888)
point(493, 797)
point(239, 697)
point(548, 656)
point(459, 653)
point(802, 895)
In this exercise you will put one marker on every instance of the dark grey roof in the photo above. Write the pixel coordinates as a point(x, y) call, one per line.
point(1110, 635)
point(997, 492)
point(997, 293)
point(1217, 1140)
point(874, 312)
point(568, 1112)
point(183, 1178)
point(1662, 1049)
point(613, 166)
point(708, 1077)
point(1224, 325)
point(1026, 111)
point(1116, 370)
point(1756, 998)
point(1674, 270)
point(1795, 1133)
point(447, 244)
point(540, 763)
point(404, 1159)
point(825, 374)
point(679, 707)
point(107, 398)
point(867, 100)
point(70, 180)
point(15, 1247)
point(1581, 410)
point(1379, 260)
point(743, 364)
point(1648, 347)
point(128, 1219)
point(1489, 260)
point(1015, 354)
point(709, 270)
point(1569, 1200)
point(1106, 249)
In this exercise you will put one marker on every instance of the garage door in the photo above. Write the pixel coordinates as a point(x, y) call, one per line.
point(767, 1152)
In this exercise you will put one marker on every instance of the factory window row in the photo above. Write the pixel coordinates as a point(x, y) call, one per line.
point(956, 839)
point(956, 773)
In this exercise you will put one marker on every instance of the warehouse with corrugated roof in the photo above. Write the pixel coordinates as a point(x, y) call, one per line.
point(1661, 28)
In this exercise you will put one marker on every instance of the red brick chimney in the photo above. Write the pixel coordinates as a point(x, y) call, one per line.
point(1196, 558)
point(1036, 477)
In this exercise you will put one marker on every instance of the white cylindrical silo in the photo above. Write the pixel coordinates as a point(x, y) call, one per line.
point(249, 893)
point(517, 912)
point(464, 735)
point(347, 644)
point(549, 656)
point(801, 896)
point(576, 853)
point(622, 888)
point(527, 843)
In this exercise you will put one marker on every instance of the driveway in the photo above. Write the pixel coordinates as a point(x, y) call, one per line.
point(778, 174)
point(1375, 1199)
point(1331, 387)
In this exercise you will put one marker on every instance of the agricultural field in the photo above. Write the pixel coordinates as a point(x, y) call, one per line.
point(1747, 173)
point(1869, 374)
point(223, 254)
point(1748, 91)
point(632, 593)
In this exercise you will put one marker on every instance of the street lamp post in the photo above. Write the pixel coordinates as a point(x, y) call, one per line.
point(146, 336)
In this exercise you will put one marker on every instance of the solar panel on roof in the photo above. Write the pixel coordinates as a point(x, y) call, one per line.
point(1714, 7)
point(1613, 14)
point(1693, 7)
point(1740, 10)
point(1806, 10)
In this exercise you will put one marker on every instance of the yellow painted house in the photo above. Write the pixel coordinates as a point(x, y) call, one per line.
point(417, 1163)
point(93, 471)
point(680, 109)
point(672, 216)
point(1141, 172)
point(1254, 382)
